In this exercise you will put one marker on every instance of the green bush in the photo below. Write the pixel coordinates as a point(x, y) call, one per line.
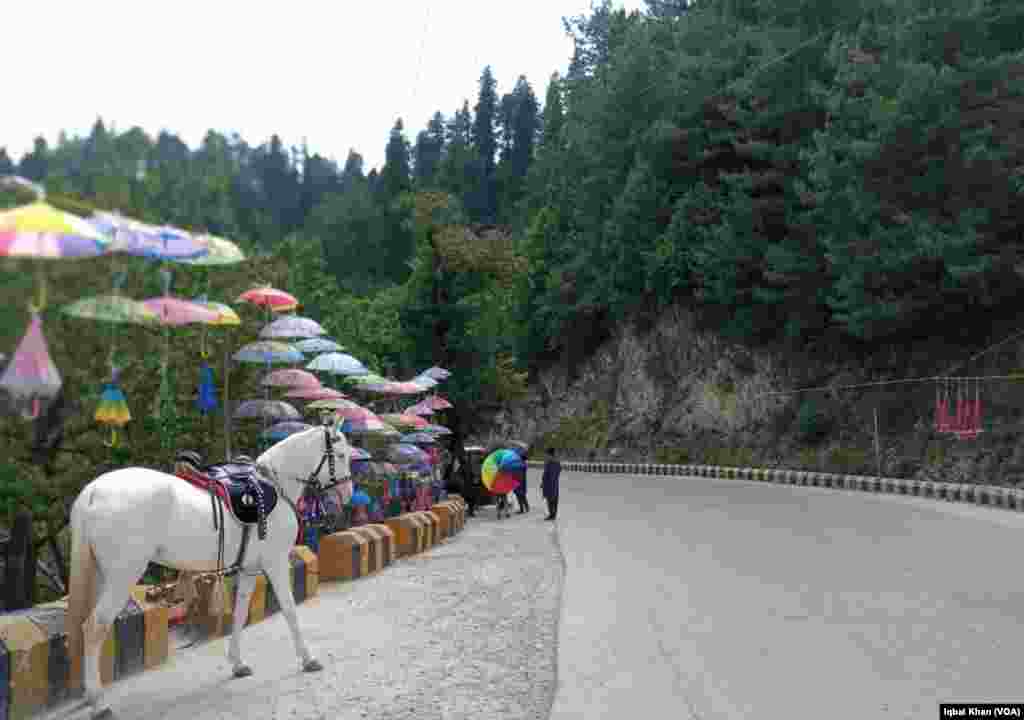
point(813, 422)
point(848, 461)
point(672, 456)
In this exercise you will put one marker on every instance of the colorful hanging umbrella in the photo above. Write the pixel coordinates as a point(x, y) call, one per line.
point(225, 315)
point(292, 378)
point(218, 252)
point(314, 393)
point(16, 181)
point(424, 381)
point(337, 364)
point(418, 438)
point(437, 402)
point(281, 430)
point(354, 411)
point(418, 409)
point(318, 345)
point(404, 420)
point(269, 297)
point(436, 430)
point(269, 352)
point(367, 426)
point(502, 471)
point(332, 404)
point(292, 326)
point(31, 379)
point(366, 378)
point(267, 410)
point(112, 308)
point(175, 311)
point(38, 230)
point(437, 373)
point(406, 454)
point(150, 241)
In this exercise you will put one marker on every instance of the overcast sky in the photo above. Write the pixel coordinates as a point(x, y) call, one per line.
point(336, 72)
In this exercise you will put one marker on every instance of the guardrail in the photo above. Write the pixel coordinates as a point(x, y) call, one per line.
point(991, 495)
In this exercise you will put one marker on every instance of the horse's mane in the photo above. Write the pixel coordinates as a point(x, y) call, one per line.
point(298, 442)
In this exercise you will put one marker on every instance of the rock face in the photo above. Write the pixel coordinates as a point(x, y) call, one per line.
point(671, 382)
point(685, 389)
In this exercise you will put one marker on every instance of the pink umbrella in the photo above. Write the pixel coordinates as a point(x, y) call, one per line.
point(315, 393)
point(291, 377)
point(174, 311)
point(269, 297)
point(31, 379)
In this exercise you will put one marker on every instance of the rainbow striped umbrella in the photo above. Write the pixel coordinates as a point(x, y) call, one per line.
point(39, 230)
point(502, 471)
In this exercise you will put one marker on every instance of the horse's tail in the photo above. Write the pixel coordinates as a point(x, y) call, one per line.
point(81, 585)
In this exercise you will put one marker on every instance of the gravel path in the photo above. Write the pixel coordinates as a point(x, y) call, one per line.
point(466, 630)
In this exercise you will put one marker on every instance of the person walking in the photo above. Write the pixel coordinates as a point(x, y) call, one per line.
point(549, 483)
point(524, 503)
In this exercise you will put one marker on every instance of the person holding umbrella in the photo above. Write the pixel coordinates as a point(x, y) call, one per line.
point(549, 483)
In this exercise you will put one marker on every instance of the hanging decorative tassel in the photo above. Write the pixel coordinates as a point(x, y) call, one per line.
point(206, 402)
point(113, 408)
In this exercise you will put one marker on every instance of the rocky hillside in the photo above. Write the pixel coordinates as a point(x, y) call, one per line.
point(679, 392)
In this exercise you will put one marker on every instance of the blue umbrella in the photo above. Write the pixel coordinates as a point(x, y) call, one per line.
point(268, 351)
point(283, 429)
point(418, 438)
point(337, 364)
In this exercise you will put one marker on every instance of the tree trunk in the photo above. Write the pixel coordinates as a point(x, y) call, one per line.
point(20, 571)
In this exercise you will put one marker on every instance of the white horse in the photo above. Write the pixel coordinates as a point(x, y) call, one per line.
point(127, 518)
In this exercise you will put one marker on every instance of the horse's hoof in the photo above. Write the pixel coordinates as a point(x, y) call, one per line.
point(312, 665)
point(242, 671)
point(103, 713)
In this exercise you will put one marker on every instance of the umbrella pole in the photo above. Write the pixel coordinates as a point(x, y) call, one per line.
point(227, 408)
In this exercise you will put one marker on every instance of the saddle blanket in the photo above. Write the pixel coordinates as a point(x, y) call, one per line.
point(233, 484)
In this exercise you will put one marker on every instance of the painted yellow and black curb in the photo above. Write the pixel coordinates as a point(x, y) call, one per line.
point(36, 670)
point(991, 495)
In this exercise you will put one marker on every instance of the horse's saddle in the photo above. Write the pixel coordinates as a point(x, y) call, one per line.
point(239, 486)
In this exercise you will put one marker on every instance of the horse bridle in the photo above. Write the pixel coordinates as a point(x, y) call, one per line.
point(313, 487)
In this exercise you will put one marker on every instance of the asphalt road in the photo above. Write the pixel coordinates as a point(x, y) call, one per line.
point(702, 598)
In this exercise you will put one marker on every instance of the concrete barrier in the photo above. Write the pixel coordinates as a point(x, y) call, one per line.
point(344, 555)
point(380, 546)
point(36, 670)
point(433, 525)
point(410, 532)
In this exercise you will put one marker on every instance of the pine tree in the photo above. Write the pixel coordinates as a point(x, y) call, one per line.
point(483, 208)
point(6, 165)
point(396, 176)
point(35, 165)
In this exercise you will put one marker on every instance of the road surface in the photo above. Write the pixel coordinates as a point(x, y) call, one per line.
point(724, 599)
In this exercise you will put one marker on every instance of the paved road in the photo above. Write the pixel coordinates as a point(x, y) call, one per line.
point(701, 598)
